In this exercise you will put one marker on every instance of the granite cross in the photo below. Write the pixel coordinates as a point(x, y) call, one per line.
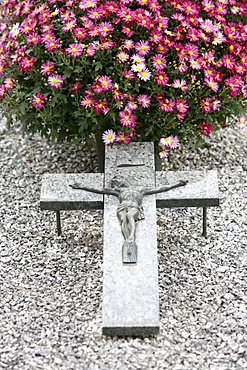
point(130, 290)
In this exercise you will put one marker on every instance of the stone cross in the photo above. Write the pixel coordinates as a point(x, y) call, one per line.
point(130, 290)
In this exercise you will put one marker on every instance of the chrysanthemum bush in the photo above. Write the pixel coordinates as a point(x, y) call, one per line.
point(143, 70)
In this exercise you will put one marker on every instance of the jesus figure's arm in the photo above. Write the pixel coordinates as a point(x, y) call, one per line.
point(108, 191)
point(163, 189)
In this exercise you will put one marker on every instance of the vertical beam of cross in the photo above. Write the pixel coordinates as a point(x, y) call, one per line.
point(130, 291)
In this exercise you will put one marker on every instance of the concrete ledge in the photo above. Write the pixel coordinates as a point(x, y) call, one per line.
point(201, 190)
point(57, 195)
point(138, 331)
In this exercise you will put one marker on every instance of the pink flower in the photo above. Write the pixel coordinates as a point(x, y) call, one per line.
point(105, 82)
point(52, 44)
point(144, 75)
point(105, 28)
point(211, 83)
point(128, 31)
point(9, 83)
point(228, 61)
point(142, 47)
point(174, 142)
point(122, 57)
point(33, 38)
point(181, 105)
point(47, 68)
point(167, 105)
point(91, 50)
point(55, 81)
point(143, 100)
point(165, 142)
point(161, 78)
point(242, 123)
point(2, 91)
point(158, 62)
point(208, 5)
point(123, 138)
point(86, 4)
point(164, 153)
point(74, 50)
point(79, 33)
point(206, 105)
point(87, 102)
point(75, 87)
point(131, 105)
point(180, 84)
point(26, 63)
point(69, 26)
point(216, 104)
point(100, 107)
point(127, 118)
point(38, 100)
point(206, 128)
point(129, 75)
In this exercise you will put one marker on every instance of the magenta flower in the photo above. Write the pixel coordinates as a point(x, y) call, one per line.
point(127, 118)
point(79, 33)
point(144, 74)
point(122, 57)
point(211, 83)
point(75, 87)
point(55, 81)
point(142, 47)
point(206, 105)
point(26, 63)
point(129, 75)
point(74, 50)
point(180, 84)
point(38, 100)
point(182, 105)
point(159, 62)
point(69, 26)
point(174, 142)
point(87, 102)
point(47, 68)
point(91, 50)
point(206, 128)
point(105, 28)
point(143, 100)
point(101, 107)
point(123, 138)
point(164, 153)
point(9, 83)
point(2, 91)
point(105, 82)
point(242, 123)
point(52, 44)
point(175, 59)
point(167, 105)
point(161, 78)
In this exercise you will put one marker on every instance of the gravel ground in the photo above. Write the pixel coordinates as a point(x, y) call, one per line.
point(51, 287)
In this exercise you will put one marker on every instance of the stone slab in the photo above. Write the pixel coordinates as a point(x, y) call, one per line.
point(201, 190)
point(56, 194)
point(130, 291)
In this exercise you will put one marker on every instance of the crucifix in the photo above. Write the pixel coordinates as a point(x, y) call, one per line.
point(130, 209)
point(130, 282)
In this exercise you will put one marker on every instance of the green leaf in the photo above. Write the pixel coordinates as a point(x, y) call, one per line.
point(67, 73)
point(98, 66)
point(23, 107)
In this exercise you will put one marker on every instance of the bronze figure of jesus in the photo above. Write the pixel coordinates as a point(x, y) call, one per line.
point(129, 210)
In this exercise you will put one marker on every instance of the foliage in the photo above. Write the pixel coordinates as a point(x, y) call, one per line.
point(144, 70)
